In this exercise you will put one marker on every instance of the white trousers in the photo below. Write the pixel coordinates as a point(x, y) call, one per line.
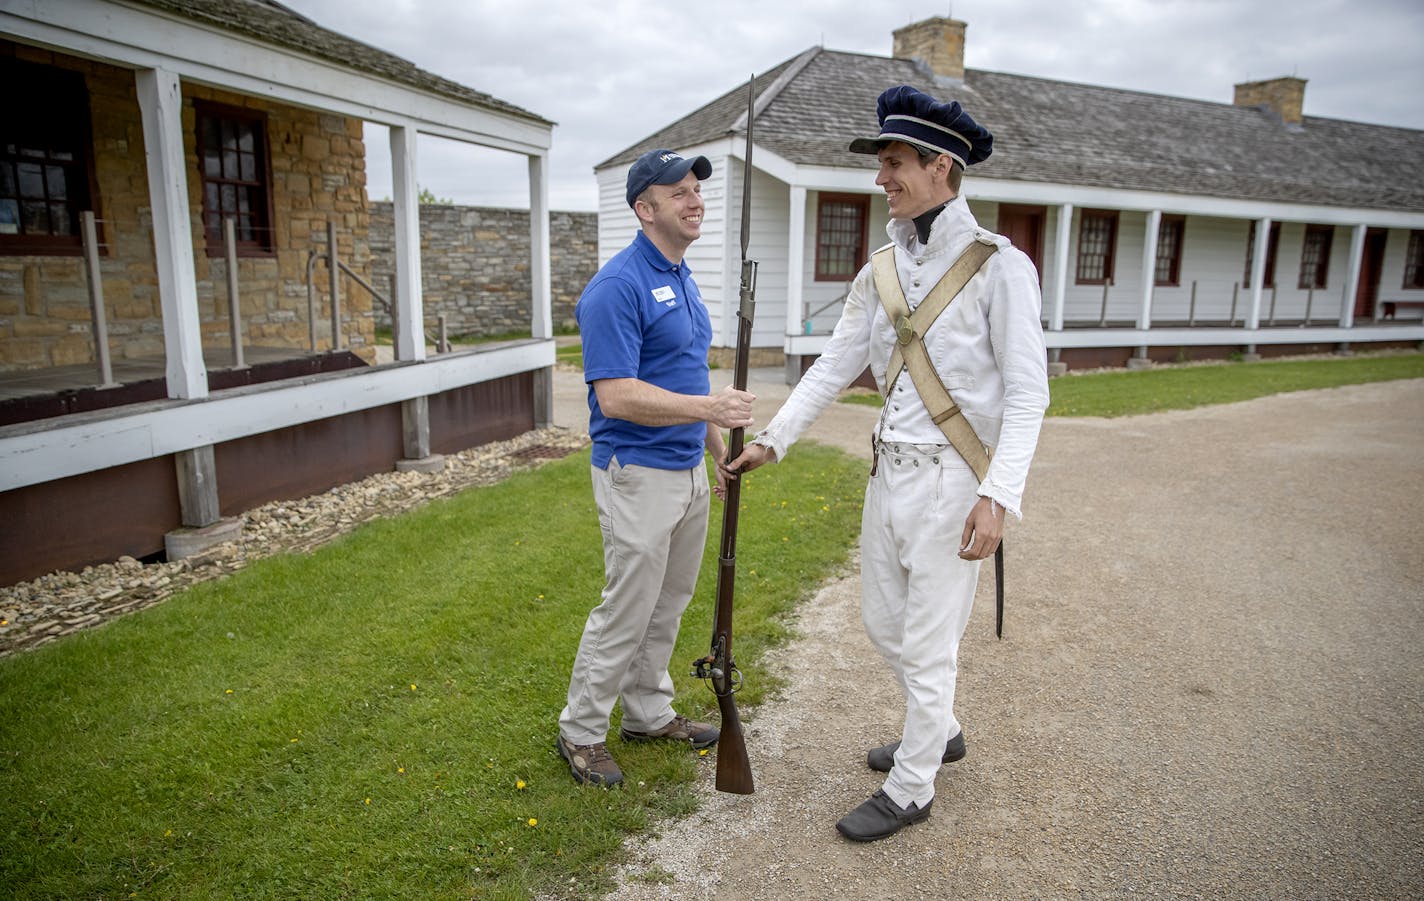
point(916, 597)
point(654, 524)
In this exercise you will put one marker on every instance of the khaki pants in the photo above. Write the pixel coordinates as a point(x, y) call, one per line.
point(654, 524)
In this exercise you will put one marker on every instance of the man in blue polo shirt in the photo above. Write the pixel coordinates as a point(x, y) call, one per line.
point(645, 336)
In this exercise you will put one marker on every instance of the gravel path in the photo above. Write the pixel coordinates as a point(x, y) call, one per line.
point(1210, 685)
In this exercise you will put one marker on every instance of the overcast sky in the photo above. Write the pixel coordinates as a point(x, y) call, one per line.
point(611, 73)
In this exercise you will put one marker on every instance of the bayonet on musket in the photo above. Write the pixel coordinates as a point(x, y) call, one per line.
point(734, 770)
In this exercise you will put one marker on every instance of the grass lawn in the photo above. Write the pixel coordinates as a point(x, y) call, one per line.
point(1124, 393)
point(376, 718)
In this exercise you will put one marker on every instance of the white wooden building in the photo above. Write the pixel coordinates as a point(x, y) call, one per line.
point(1163, 228)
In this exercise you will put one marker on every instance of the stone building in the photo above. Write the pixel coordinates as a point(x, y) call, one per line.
point(141, 411)
point(476, 262)
point(309, 169)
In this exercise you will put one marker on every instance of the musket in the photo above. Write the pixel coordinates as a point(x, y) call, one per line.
point(734, 770)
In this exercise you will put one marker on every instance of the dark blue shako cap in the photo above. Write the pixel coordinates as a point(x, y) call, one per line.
point(918, 119)
point(663, 167)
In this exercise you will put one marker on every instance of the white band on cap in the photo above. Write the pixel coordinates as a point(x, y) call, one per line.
point(919, 142)
point(928, 124)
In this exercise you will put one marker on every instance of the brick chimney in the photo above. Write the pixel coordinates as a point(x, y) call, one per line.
point(937, 42)
point(1283, 96)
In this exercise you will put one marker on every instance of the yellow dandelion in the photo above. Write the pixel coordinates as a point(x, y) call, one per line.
point(167, 832)
point(533, 822)
point(400, 769)
point(825, 508)
point(229, 691)
point(294, 741)
point(519, 783)
point(368, 801)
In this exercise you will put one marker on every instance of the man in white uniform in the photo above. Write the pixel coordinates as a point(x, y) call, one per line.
point(928, 520)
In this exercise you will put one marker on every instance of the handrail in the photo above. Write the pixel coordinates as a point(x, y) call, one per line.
point(439, 339)
point(840, 298)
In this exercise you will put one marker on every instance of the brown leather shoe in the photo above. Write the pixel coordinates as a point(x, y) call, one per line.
point(680, 728)
point(590, 764)
point(881, 759)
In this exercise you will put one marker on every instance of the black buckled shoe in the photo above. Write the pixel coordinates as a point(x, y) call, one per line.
point(880, 817)
point(881, 759)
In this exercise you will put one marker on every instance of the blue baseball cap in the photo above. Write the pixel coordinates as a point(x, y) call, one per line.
point(663, 167)
point(917, 119)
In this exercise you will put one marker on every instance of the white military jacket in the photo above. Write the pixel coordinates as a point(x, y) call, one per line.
point(987, 347)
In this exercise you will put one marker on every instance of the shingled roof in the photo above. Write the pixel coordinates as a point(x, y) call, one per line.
point(809, 108)
point(272, 23)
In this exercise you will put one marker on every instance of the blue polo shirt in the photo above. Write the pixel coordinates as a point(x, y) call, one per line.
point(642, 317)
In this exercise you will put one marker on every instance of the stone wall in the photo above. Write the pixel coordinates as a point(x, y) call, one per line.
point(475, 262)
point(318, 171)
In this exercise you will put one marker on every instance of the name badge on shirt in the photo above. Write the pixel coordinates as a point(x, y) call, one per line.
point(665, 294)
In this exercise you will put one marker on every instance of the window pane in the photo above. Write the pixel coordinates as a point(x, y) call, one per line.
point(233, 178)
point(31, 180)
point(44, 170)
point(1414, 261)
point(210, 135)
point(54, 180)
point(1094, 244)
point(1169, 248)
point(840, 231)
point(36, 219)
point(59, 220)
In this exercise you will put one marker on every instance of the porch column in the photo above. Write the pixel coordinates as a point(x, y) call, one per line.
point(1060, 267)
point(1149, 268)
point(541, 313)
point(795, 277)
point(1149, 278)
point(160, 101)
point(1059, 292)
point(1352, 276)
point(405, 196)
point(1258, 272)
point(409, 315)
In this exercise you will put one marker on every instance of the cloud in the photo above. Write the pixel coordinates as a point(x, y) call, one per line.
point(612, 73)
